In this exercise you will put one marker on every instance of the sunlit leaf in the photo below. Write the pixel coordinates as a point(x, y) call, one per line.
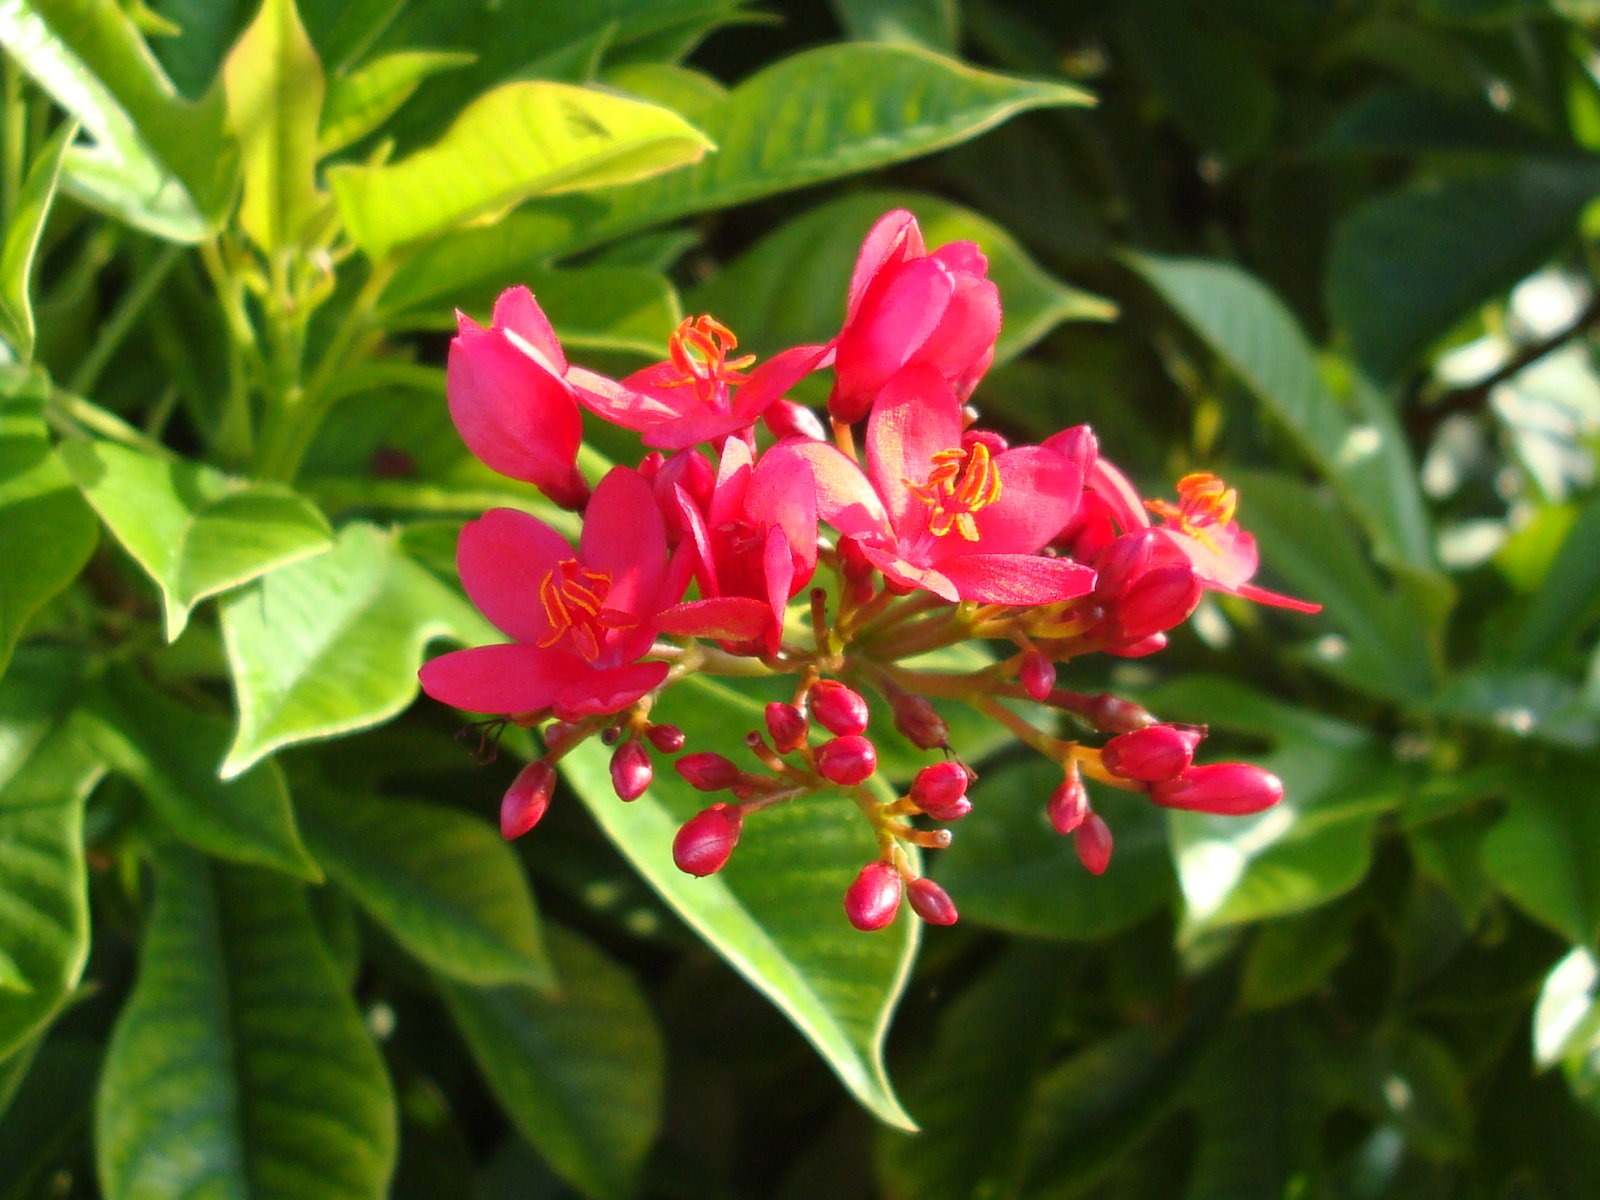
point(359, 102)
point(21, 242)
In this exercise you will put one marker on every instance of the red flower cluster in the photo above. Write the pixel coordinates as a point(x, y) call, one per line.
point(933, 532)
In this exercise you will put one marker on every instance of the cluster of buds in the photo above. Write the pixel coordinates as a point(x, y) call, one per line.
point(708, 557)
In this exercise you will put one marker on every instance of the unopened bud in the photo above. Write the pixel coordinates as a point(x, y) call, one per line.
point(707, 839)
point(631, 770)
point(1158, 600)
point(931, 902)
point(837, 708)
point(707, 771)
point(1113, 714)
point(1152, 754)
point(1126, 559)
point(526, 799)
point(919, 722)
point(668, 739)
point(1092, 841)
point(873, 899)
point(787, 419)
point(1140, 648)
point(1037, 674)
point(847, 760)
point(1069, 804)
point(787, 727)
point(1228, 789)
point(940, 790)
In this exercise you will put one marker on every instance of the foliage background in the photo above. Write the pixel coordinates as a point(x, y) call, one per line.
point(255, 926)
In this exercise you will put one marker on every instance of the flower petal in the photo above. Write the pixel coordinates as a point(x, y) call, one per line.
point(845, 498)
point(1039, 492)
point(624, 535)
point(728, 618)
point(516, 311)
point(608, 690)
point(915, 417)
point(498, 679)
point(1017, 578)
point(893, 238)
point(502, 558)
point(898, 313)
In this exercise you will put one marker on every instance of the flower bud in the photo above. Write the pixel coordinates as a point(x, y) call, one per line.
point(919, 722)
point(1069, 804)
point(707, 839)
point(668, 739)
point(1037, 675)
point(1229, 789)
point(1159, 599)
point(847, 760)
point(1113, 714)
point(837, 708)
point(631, 770)
point(787, 419)
point(787, 727)
point(1152, 754)
point(1141, 648)
point(707, 771)
point(1123, 561)
point(940, 790)
point(873, 899)
point(526, 799)
point(931, 902)
point(1092, 841)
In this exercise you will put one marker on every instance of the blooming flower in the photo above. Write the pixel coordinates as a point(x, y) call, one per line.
point(580, 621)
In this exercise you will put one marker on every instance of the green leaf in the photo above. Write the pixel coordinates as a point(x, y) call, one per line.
point(814, 116)
point(171, 752)
point(159, 161)
point(31, 207)
point(789, 289)
point(239, 1065)
point(274, 87)
point(1413, 1082)
point(194, 530)
point(1568, 596)
point(1566, 1020)
point(520, 140)
point(1435, 250)
point(933, 24)
point(1008, 869)
point(580, 1074)
point(443, 884)
point(332, 644)
point(47, 532)
point(1291, 956)
point(1361, 450)
point(774, 912)
point(47, 769)
point(1406, 120)
point(1540, 853)
point(361, 101)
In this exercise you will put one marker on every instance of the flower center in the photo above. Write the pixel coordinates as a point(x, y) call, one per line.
point(962, 482)
point(1204, 503)
point(574, 600)
point(699, 349)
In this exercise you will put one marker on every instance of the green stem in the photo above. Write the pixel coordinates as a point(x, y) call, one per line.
point(234, 433)
point(127, 311)
point(90, 416)
point(16, 141)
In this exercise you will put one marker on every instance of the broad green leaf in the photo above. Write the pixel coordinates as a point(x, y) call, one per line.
point(239, 1066)
point(1008, 869)
point(47, 769)
point(934, 24)
point(581, 1073)
point(274, 87)
point(1435, 250)
point(1536, 704)
point(332, 644)
point(164, 163)
point(195, 531)
point(774, 912)
point(47, 532)
point(361, 101)
point(1566, 1020)
point(1360, 449)
point(520, 140)
point(790, 288)
point(1406, 120)
point(1569, 594)
point(814, 116)
point(21, 242)
point(1291, 956)
point(443, 884)
point(171, 752)
point(1540, 854)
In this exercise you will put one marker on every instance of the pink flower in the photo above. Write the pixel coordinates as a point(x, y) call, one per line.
point(947, 516)
point(510, 402)
point(580, 621)
point(906, 307)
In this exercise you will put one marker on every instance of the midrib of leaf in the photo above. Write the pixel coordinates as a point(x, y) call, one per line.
point(221, 961)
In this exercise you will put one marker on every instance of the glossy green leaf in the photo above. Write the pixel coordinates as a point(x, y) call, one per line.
point(444, 885)
point(1569, 594)
point(790, 288)
point(1360, 450)
point(520, 140)
point(934, 24)
point(1438, 249)
point(47, 769)
point(171, 752)
point(239, 1065)
point(359, 102)
point(195, 531)
point(164, 163)
point(332, 644)
point(581, 1073)
point(1407, 120)
point(1008, 869)
point(1540, 853)
point(774, 912)
point(274, 86)
point(21, 242)
point(47, 532)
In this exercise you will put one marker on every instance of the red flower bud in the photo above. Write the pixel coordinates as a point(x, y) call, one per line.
point(1156, 601)
point(787, 727)
point(1152, 754)
point(1069, 804)
point(838, 709)
point(940, 791)
point(707, 771)
point(1092, 841)
point(1123, 561)
point(707, 839)
point(917, 719)
point(1113, 714)
point(1140, 648)
point(931, 902)
point(631, 770)
point(526, 799)
point(874, 897)
point(1230, 789)
point(1038, 675)
point(668, 739)
point(787, 419)
point(847, 760)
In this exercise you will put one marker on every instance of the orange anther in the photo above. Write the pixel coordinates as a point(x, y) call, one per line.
point(574, 599)
point(962, 482)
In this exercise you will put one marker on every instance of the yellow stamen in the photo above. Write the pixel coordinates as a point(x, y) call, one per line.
point(699, 349)
point(574, 599)
point(1204, 503)
point(962, 482)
